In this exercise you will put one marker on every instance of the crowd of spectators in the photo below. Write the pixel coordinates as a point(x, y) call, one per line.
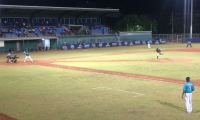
point(24, 29)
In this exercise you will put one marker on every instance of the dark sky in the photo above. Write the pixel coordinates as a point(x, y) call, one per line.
point(125, 6)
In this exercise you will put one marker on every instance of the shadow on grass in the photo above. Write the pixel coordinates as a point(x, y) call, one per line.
point(197, 111)
point(171, 105)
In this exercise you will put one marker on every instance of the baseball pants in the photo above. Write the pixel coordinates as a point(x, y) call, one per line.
point(29, 58)
point(188, 102)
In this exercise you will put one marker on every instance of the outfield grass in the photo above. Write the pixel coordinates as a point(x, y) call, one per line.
point(46, 93)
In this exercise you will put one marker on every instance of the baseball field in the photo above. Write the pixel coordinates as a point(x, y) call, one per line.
point(114, 83)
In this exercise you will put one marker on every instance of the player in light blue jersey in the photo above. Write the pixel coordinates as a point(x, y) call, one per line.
point(27, 56)
point(189, 43)
point(188, 88)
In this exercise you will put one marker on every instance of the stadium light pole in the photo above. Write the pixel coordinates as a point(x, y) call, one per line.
point(191, 19)
point(188, 16)
point(184, 19)
point(172, 23)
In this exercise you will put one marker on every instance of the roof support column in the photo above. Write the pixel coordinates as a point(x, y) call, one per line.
point(0, 18)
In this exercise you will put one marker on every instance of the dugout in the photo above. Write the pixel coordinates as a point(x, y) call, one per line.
point(32, 44)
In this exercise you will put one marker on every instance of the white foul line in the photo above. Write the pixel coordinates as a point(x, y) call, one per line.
point(137, 94)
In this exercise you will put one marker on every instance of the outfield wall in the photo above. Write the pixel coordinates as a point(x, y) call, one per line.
point(34, 43)
point(109, 44)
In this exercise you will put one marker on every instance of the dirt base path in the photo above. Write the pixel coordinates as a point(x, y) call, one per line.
point(5, 117)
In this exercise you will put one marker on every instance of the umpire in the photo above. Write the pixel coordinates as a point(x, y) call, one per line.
point(189, 43)
point(8, 56)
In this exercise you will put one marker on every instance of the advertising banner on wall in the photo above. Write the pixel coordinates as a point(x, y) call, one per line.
point(110, 44)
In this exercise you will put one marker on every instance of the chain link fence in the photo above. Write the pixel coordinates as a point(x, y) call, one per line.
point(174, 37)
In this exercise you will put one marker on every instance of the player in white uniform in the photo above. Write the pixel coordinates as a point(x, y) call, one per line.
point(27, 56)
point(148, 42)
point(188, 88)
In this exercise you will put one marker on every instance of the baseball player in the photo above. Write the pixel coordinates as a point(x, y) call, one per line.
point(148, 42)
point(189, 43)
point(188, 88)
point(8, 57)
point(14, 59)
point(27, 56)
point(158, 53)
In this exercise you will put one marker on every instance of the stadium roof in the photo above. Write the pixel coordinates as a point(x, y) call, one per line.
point(49, 11)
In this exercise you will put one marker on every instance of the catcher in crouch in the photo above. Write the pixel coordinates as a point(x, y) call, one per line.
point(158, 53)
point(14, 58)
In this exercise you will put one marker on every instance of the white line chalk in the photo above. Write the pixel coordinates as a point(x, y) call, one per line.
point(136, 94)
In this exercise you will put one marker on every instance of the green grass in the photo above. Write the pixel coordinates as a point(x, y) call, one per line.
point(45, 93)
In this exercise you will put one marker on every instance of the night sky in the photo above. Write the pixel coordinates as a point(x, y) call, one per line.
point(125, 6)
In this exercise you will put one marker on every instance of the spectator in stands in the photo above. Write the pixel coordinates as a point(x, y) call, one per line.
point(18, 28)
point(50, 33)
point(54, 27)
point(69, 32)
point(109, 30)
point(18, 33)
point(25, 32)
point(102, 31)
point(66, 31)
point(10, 30)
point(36, 34)
point(29, 25)
point(33, 30)
point(43, 31)
point(53, 33)
point(24, 24)
point(40, 28)
point(86, 31)
point(16, 23)
point(4, 31)
point(62, 32)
